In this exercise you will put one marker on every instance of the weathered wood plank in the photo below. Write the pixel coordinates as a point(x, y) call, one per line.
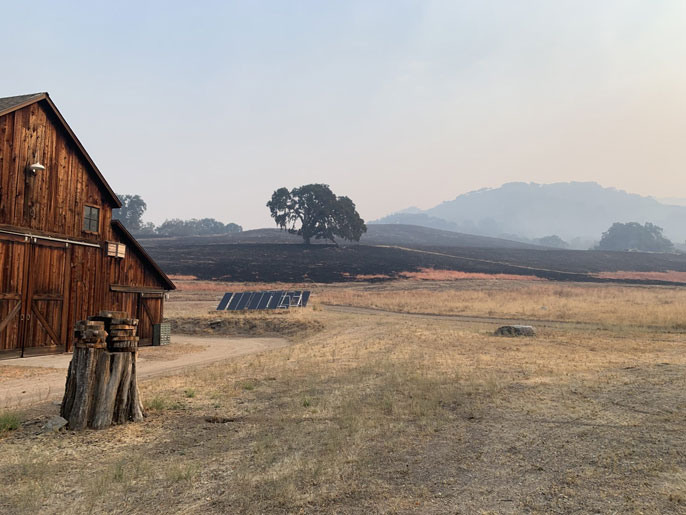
point(83, 375)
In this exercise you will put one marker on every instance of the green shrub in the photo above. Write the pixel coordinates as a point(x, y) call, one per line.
point(9, 421)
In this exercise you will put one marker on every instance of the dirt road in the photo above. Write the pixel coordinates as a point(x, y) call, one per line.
point(197, 351)
point(462, 318)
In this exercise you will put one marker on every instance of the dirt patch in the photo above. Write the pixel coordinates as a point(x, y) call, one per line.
point(169, 352)
point(8, 372)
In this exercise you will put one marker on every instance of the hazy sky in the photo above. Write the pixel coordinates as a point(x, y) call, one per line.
point(205, 108)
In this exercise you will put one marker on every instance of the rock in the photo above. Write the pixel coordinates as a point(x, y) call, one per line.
point(515, 330)
point(54, 424)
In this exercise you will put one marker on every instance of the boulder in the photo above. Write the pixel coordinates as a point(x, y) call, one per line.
point(515, 330)
point(54, 424)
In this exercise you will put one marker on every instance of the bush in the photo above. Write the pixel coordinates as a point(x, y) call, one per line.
point(9, 421)
point(634, 236)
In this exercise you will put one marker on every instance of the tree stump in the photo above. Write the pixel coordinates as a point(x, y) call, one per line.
point(101, 387)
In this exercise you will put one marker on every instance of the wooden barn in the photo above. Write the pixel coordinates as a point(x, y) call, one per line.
point(62, 256)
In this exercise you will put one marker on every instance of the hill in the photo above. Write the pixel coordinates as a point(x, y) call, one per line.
point(395, 250)
point(571, 210)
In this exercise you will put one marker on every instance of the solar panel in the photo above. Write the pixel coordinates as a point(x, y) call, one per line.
point(275, 299)
point(264, 301)
point(295, 297)
point(259, 300)
point(234, 301)
point(224, 302)
point(255, 300)
point(244, 301)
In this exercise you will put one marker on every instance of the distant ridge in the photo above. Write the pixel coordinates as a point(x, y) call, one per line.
point(414, 235)
point(571, 210)
point(380, 234)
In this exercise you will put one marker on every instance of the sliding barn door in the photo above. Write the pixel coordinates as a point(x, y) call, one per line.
point(46, 298)
point(12, 291)
point(149, 313)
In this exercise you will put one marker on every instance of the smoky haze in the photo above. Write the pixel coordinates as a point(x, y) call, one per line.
point(205, 108)
point(577, 212)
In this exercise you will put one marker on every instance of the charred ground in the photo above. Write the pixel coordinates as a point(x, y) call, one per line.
point(328, 263)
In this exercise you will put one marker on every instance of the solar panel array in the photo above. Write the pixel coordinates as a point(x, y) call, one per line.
point(250, 300)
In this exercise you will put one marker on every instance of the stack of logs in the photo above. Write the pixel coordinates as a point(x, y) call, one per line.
point(101, 387)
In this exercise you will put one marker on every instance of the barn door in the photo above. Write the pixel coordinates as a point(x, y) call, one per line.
point(12, 290)
point(148, 314)
point(46, 295)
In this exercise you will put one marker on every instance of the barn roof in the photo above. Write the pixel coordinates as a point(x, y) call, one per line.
point(10, 104)
point(126, 235)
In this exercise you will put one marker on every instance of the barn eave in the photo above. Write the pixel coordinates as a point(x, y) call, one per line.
point(11, 104)
point(138, 248)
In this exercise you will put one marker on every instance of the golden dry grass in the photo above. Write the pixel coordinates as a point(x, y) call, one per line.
point(631, 306)
point(432, 274)
point(671, 275)
point(385, 413)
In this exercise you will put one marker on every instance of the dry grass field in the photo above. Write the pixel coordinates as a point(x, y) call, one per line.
point(605, 305)
point(383, 412)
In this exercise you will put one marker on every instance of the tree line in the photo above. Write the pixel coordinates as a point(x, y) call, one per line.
point(314, 212)
point(133, 208)
point(630, 236)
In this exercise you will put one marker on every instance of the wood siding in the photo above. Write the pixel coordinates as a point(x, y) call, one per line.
point(52, 201)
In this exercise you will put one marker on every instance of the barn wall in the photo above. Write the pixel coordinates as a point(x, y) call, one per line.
point(87, 284)
point(133, 271)
point(52, 201)
point(93, 275)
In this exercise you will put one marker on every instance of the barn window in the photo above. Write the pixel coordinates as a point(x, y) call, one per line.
point(91, 219)
point(116, 250)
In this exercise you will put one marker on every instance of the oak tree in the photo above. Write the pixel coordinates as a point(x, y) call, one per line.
point(313, 211)
point(634, 236)
point(131, 211)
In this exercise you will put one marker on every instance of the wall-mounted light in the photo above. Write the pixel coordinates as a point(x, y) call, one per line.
point(35, 168)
